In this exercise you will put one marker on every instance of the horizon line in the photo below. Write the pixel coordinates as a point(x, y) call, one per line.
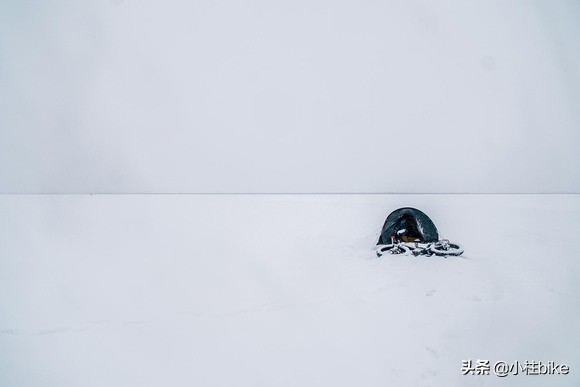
point(272, 193)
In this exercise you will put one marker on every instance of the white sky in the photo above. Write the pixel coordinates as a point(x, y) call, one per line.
point(289, 96)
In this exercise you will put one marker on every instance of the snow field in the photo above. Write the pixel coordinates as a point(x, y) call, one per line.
point(282, 290)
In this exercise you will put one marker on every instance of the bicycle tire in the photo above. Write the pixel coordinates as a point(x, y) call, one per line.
point(393, 249)
point(452, 249)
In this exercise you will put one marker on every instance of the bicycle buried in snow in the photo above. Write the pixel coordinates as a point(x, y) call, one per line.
point(400, 244)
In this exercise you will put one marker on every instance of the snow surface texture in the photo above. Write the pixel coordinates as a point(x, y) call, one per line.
point(282, 291)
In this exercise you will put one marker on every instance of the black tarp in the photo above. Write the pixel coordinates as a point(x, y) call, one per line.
point(416, 224)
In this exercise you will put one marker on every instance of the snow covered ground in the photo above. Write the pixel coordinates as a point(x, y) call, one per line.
point(283, 290)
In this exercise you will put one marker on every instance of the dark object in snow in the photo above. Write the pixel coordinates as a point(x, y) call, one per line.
point(408, 225)
point(409, 231)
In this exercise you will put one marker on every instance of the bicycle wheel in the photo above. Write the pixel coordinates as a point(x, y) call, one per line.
point(393, 249)
point(445, 249)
